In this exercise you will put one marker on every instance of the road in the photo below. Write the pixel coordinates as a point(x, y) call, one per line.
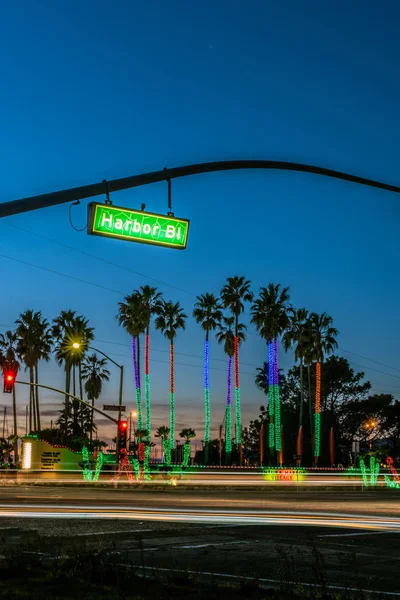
point(337, 538)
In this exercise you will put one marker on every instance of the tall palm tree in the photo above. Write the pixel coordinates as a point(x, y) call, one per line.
point(9, 356)
point(234, 293)
point(133, 317)
point(323, 343)
point(297, 336)
point(150, 301)
point(208, 312)
point(163, 433)
point(170, 319)
point(94, 373)
point(68, 328)
point(34, 344)
point(226, 336)
point(270, 316)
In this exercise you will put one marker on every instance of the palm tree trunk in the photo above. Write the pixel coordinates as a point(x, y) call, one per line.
point(80, 380)
point(147, 399)
point(37, 395)
point(135, 346)
point(15, 426)
point(172, 395)
point(237, 393)
point(206, 399)
point(147, 383)
point(228, 424)
point(74, 402)
point(310, 410)
point(301, 394)
point(271, 399)
point(91, 421)
point(299, 445)
point(317, 423)
point(138, 360)
point(32, 397)
point(277, 401)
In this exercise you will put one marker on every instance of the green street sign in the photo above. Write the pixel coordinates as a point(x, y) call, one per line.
point(137, 226)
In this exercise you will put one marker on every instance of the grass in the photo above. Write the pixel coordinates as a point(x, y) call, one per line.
point(102, 574)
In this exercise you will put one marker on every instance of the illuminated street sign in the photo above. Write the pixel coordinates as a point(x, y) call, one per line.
point(137, 226)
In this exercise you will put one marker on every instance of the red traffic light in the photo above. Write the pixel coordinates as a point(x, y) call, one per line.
point(123, 434)
point(9, 380)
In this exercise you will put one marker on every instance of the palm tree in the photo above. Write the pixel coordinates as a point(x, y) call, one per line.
point(270, 316)
point(323, 343)
point(9, 358)
point(133, 317)
point(34, 344)
point(234, 293)
point(170, 319)
point(208, 312)
point(60, 325)
point(297, 336)
point(226, 336)
point(187, 434)
point(94, 373)
point(150, 301)
point(69, 329)
point(163, 433)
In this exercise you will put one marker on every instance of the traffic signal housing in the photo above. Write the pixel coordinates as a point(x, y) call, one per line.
point(9, 376)
point(123, 433)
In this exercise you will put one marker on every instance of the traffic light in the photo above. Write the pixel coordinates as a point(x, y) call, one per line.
point(123, 433)
point(9, 380)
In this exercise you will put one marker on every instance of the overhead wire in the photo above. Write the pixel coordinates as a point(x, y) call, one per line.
point(80, 280)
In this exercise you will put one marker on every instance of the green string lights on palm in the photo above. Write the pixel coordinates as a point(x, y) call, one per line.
point(186, 454)
point(373, 471)
point(271, 390)
point(317, 416)
point(88, 474)
point(137, 382)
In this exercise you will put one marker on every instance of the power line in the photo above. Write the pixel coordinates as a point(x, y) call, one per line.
point(54, 272)
point(79, 280)
point(99, 258)
point(371, 359)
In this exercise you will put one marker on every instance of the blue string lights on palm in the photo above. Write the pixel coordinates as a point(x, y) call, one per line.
point(277, 400)
point(207, 391)
point(137, 382)
point(237, 392)
point(228, 433)
point(271, 408)
point(317, 421)
point(172, 398)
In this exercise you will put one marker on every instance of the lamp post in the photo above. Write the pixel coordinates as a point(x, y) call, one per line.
point(76, 346)
point(371, 427)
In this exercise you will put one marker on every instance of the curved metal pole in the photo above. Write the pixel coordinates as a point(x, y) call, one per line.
point(96, 189)
point(48, 387)
point(106, 356)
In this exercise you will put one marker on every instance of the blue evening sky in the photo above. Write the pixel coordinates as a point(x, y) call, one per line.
point(93, 90)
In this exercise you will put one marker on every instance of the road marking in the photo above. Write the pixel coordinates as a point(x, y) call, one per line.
point(275, 582)
point(354, 534)
point(210, 544)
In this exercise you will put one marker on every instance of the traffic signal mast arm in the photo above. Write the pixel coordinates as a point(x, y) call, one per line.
point(64, 393)
point(15, 207)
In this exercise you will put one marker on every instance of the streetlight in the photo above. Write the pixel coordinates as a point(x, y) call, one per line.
point(76, 346)
point(370, 426)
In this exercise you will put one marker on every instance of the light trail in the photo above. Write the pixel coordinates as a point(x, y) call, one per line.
point(233, 517)
point(216, 478)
